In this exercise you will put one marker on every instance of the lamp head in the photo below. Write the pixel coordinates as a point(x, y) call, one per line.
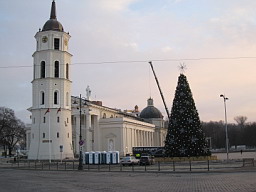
point(221, 95)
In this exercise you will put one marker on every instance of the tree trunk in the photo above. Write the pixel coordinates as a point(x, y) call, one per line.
point(10, 151)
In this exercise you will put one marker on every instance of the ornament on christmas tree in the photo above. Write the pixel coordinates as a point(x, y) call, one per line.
point(187, 102)
point(194, 139)
point(182, 130)
point(190, 121)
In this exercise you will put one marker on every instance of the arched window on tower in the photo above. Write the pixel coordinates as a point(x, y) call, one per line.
point(55, 98)
point(56, 69)
point(67, 71)
point(42, 98)
point(42, 72)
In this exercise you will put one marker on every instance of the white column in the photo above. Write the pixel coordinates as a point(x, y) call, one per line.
point(151, 139)
point(97, 140)
point(136, 138)
point(77, 134)
point(146, 138)
point(143, 140)
point(88, 139)
point(139, 138)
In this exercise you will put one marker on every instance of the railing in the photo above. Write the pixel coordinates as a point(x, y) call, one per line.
point(158, 166)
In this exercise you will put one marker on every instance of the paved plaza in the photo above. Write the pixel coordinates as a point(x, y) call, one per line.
point(35, 180)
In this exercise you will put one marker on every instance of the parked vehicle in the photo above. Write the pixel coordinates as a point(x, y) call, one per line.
point(130, 160)
point(147, 160)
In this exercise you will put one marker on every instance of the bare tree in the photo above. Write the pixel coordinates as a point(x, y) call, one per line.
point(12, 130)
point(240, 120)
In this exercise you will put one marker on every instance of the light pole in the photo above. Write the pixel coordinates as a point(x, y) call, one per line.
point(226, 124)
point(80, 166)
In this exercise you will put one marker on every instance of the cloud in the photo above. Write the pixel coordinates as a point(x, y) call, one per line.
point(114, 5)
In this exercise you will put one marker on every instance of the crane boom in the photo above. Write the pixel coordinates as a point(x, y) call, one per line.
point(167, 112)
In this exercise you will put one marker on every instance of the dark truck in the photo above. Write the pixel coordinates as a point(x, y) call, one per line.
point(146, 160)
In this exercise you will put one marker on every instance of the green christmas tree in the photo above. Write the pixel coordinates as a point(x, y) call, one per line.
point(185, 137)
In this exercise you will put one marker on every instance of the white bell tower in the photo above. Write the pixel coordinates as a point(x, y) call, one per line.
point(51, 131)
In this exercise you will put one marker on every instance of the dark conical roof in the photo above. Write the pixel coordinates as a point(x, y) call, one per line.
point(150, 111)
point(52, 24)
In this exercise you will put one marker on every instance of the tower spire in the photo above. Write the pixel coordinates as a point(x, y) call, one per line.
point(53, 11)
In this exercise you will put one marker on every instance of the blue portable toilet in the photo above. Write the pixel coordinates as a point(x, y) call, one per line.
point(91, 157)
point(109, 157)
point(115, 157)
point(103, 157)
point(97, 157)
point(86, 159)
point(83, 158)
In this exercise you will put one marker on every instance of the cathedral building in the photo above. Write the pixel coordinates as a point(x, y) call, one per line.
point(62, 124)
point(107, 129)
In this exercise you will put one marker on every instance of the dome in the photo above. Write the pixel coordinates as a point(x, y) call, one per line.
point(52, 24)
point(150, 111)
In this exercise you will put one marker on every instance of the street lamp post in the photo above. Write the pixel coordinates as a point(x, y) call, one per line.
point(80, 166)
point(226, 124)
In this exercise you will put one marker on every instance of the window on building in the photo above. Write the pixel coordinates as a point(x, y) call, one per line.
point(56, 69)
point(34, 120)
point(55, 97)
point(56, 43)
point(67, 99)
point(104, 115)
point(58, 119)
point(42, 75)
point(58, 135)
point(68, 135)
point(44, 120)
point(111, 116)
point(73, 120)
point(43, 135)
point(42, 98)
point(67, 71)
point(67, 120)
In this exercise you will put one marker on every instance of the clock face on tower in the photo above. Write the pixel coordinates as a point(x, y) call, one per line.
point(44, 39)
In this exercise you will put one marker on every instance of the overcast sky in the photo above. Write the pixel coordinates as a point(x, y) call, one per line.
point(214, 38)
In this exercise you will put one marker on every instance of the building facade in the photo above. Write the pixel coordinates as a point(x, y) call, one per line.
point(107, 129)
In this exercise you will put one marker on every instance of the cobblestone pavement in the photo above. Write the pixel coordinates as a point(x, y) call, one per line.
point(35, 180)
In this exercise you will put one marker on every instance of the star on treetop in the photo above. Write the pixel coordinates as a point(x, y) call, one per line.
point(182, 68)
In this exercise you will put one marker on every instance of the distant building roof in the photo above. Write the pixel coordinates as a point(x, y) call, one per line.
point(150, 111)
